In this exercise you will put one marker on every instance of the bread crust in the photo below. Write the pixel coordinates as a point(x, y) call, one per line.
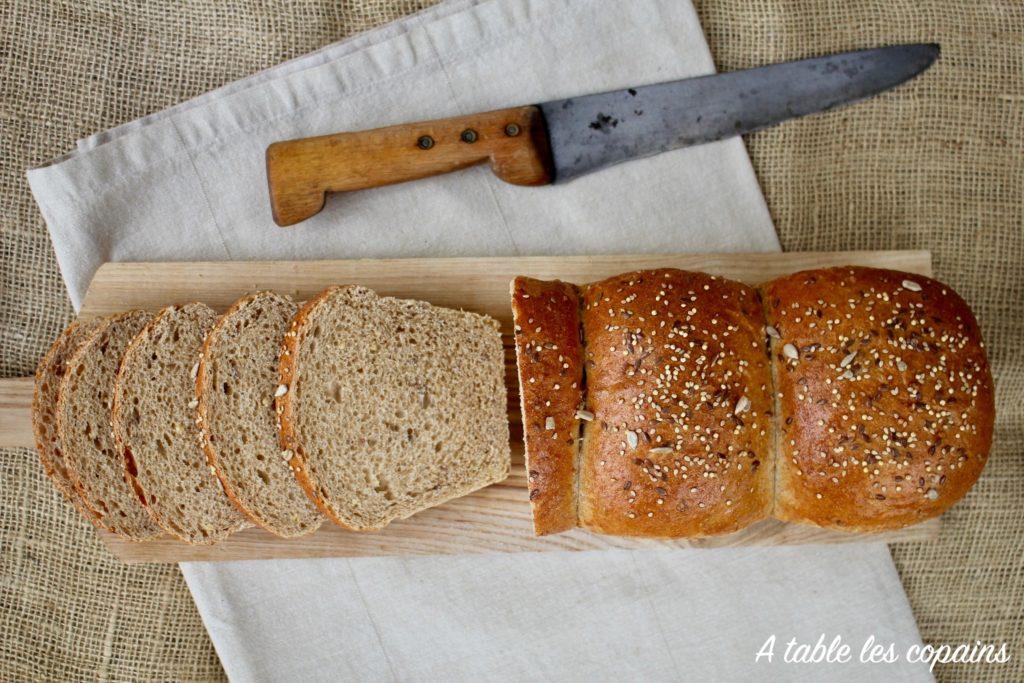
point(203, 413)
point(549, 357)
point(51, 368)
point(285, 408)
point(887, 411)
point(678, 380)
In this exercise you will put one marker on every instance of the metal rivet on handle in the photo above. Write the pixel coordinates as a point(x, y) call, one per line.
point(512, 130)
point(468, 135)
point(425, 142)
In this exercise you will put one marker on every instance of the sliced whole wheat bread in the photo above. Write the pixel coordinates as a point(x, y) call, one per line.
point(94, 462)
point(389, 406)
point(238, 375)
point(49, 374)
point(155, 424)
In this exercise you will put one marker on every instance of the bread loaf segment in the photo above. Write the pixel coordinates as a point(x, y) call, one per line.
point(549, 357)
point(886, 397)
point(678, 381)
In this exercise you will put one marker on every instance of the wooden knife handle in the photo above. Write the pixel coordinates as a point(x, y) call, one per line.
point(301, 172)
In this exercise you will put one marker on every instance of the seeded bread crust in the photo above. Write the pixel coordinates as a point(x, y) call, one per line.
point(549, 357)
point(283, 520)
point(678, 380)
point(49, 374)
point(490, 414)
point(887, 403)
point(92, 457)
point(182, 494)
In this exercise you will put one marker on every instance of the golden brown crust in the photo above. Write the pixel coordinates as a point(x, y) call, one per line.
point(678, 380)
point(887, 408)
point(549, 357)
point(45, 396)
point(285, 409)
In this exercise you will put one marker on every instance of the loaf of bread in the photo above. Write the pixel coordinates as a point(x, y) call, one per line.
point(885, 397)
point(849, 398)
point(93, 460)
point(154, 420)
point(235, 385)
point(388, 406)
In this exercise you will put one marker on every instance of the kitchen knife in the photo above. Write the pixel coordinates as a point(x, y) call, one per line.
point(557, 141)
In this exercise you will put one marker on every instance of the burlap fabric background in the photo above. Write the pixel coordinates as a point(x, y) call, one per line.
point(938, 165)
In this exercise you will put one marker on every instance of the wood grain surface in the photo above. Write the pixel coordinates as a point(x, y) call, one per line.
point(496, 519)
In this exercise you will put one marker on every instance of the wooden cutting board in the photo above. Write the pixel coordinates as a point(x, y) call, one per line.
point(496, 519)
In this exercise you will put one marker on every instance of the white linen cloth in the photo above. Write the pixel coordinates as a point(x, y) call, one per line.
point(188, 184)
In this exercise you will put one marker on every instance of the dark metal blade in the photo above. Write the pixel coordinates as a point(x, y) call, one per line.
point(594, 131)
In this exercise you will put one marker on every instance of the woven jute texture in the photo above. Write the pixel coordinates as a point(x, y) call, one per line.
point(938, 165)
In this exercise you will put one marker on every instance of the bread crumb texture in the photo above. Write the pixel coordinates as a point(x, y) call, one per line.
point(237, 381)
point(393, 406)
point(93, 459)
point(155, 422)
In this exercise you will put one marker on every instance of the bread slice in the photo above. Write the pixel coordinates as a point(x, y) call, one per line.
point(49, 374)
point(391, 406)
point(155, 425)
point(93, 460)
point(549, 356)
point(238, 374)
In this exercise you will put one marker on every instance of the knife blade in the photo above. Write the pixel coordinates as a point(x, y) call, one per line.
point(557, 141)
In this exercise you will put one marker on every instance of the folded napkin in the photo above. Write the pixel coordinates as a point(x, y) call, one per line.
point(188, 183)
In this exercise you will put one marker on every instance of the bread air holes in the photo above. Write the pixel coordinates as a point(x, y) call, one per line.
point(264, 477)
